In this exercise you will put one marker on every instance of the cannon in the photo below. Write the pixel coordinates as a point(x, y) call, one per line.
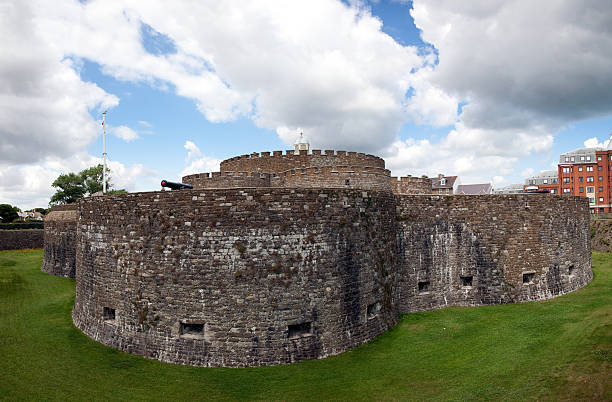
point(175, 186)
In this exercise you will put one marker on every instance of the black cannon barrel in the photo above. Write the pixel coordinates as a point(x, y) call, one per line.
point(175, 186)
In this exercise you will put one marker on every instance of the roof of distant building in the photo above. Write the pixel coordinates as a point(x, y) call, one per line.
point(449, 182)
point(474, 189)
point(515, 188)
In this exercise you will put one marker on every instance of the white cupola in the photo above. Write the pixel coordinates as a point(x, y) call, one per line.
point(301, 144)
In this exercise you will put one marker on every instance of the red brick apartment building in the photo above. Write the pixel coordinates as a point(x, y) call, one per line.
point(586, 172)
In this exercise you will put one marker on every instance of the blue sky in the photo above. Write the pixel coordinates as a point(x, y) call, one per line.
point(489, 91)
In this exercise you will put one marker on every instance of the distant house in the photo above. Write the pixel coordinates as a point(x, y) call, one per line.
point(475, 189)
point(444, 185)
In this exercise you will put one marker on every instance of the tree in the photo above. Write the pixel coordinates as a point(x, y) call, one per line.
point(73, 186)
point(8, 213)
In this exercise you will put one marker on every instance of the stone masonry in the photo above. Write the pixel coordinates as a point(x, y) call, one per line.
point(284, 262)
point(59, 248)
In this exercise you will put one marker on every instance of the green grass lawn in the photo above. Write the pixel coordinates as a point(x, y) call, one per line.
point(559, 349)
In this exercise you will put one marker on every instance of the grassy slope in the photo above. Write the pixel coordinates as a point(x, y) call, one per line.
point(558, 349)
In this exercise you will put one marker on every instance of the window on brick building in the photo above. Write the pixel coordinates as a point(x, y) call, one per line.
point(600, 178)
point(553, 191)
point(591, 200)
point(447, 191)
point(601, 209)
point(580, 168)
point(566, 191)
point(565, 170)
point(589, 179)
point(600, 189)
point(581, 190)
point(566, 180)
point(589, 168)
point(599, 158)
point(440, 191)
point(580, 179)
point(590, 189)
point(599, 167)
point(600, 199)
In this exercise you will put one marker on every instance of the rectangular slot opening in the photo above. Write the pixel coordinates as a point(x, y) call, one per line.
point(192, 330)
point(466, 281)
point(373, 310)
point(528, 277)
point(108, 314)
point(299, 330)
point(423, 286)
point(570, 270)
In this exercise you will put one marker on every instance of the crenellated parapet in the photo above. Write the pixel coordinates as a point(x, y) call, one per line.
point(411, 185)
point(277, 161)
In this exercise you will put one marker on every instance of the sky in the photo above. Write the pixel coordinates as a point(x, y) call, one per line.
point(491, 91)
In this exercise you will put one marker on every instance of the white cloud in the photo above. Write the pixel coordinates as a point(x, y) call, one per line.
point(145, 123)
point(199, 163)
point(527, 172)
point(193, 149)
point(320, 65)
point(594, 143)
point(125, 133)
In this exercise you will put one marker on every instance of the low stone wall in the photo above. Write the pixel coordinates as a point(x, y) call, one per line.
point(369, 178)
point(236, 277)
point(21, 239)
point(60, 234)
point(491, 249)
point(411, 185)
point(228, 180)
point(601, 235)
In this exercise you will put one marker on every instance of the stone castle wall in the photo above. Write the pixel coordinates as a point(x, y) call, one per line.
point(21, 239)
point(277, 162)
point(236, 277)
point(411, 185)
point(262, 276)
point(59, 247)
point(228, 180)
point(474, 250)
point(369, 178)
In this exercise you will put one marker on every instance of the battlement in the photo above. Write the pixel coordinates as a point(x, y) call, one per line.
point(411, 185)
point(277, 161)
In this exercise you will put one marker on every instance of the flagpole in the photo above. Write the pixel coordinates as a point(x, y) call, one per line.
point(104, 153)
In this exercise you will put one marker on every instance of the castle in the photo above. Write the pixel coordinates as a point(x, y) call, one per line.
point(282, 257)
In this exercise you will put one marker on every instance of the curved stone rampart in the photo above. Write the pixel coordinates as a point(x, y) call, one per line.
point(369, 178)
point(59, 248)
point(228, 180)
point(277, 162)
point(491, 249)
point(236, 277)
